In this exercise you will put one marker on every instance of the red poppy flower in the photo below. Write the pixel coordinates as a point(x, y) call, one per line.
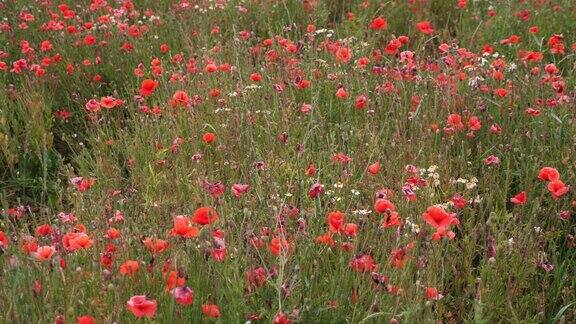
point(180, 98)
point(173, 279)
point(86, 319)
point(183, 295)
point(75, 241)
point(350, 229)
point(391, 219)
point(459, 201)
point(425, 27)
point(455, 120)
point(439, 218)
point(182, 227)
point(558, 189)
point(256, 277)
point(361, 102)
point(341, 93)
point(316, 189)
point(548, 174)
point(392, 47)
point(204, 216)
point(378, 23)
point(491, 160)
point(278, 245)
point(155, 245)
point(44, 253)
point(433, 294)
point(281, 318)
point(335, 221)
point(238, 189)
point(382, 205)
point(208, 137)
point(501, 92)
point(211, 310)
point(140, 306)
point(519, 199)
point(129, 268)
point(343, 54)
point(325, 239)
point(256, 77)
point(398, 257)
point(474, 123)
point(44, 230)
point(148, 87)
point(363, 263)
point(29, 244)
point(374, 168)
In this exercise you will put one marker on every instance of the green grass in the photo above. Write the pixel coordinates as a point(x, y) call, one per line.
point(129, 154)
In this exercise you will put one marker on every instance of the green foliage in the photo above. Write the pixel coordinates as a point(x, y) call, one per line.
point(140, 173)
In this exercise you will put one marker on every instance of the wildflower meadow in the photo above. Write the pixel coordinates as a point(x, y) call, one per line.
point(287, 161)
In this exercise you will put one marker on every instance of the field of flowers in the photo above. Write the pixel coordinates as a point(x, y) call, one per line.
point(287, 161)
